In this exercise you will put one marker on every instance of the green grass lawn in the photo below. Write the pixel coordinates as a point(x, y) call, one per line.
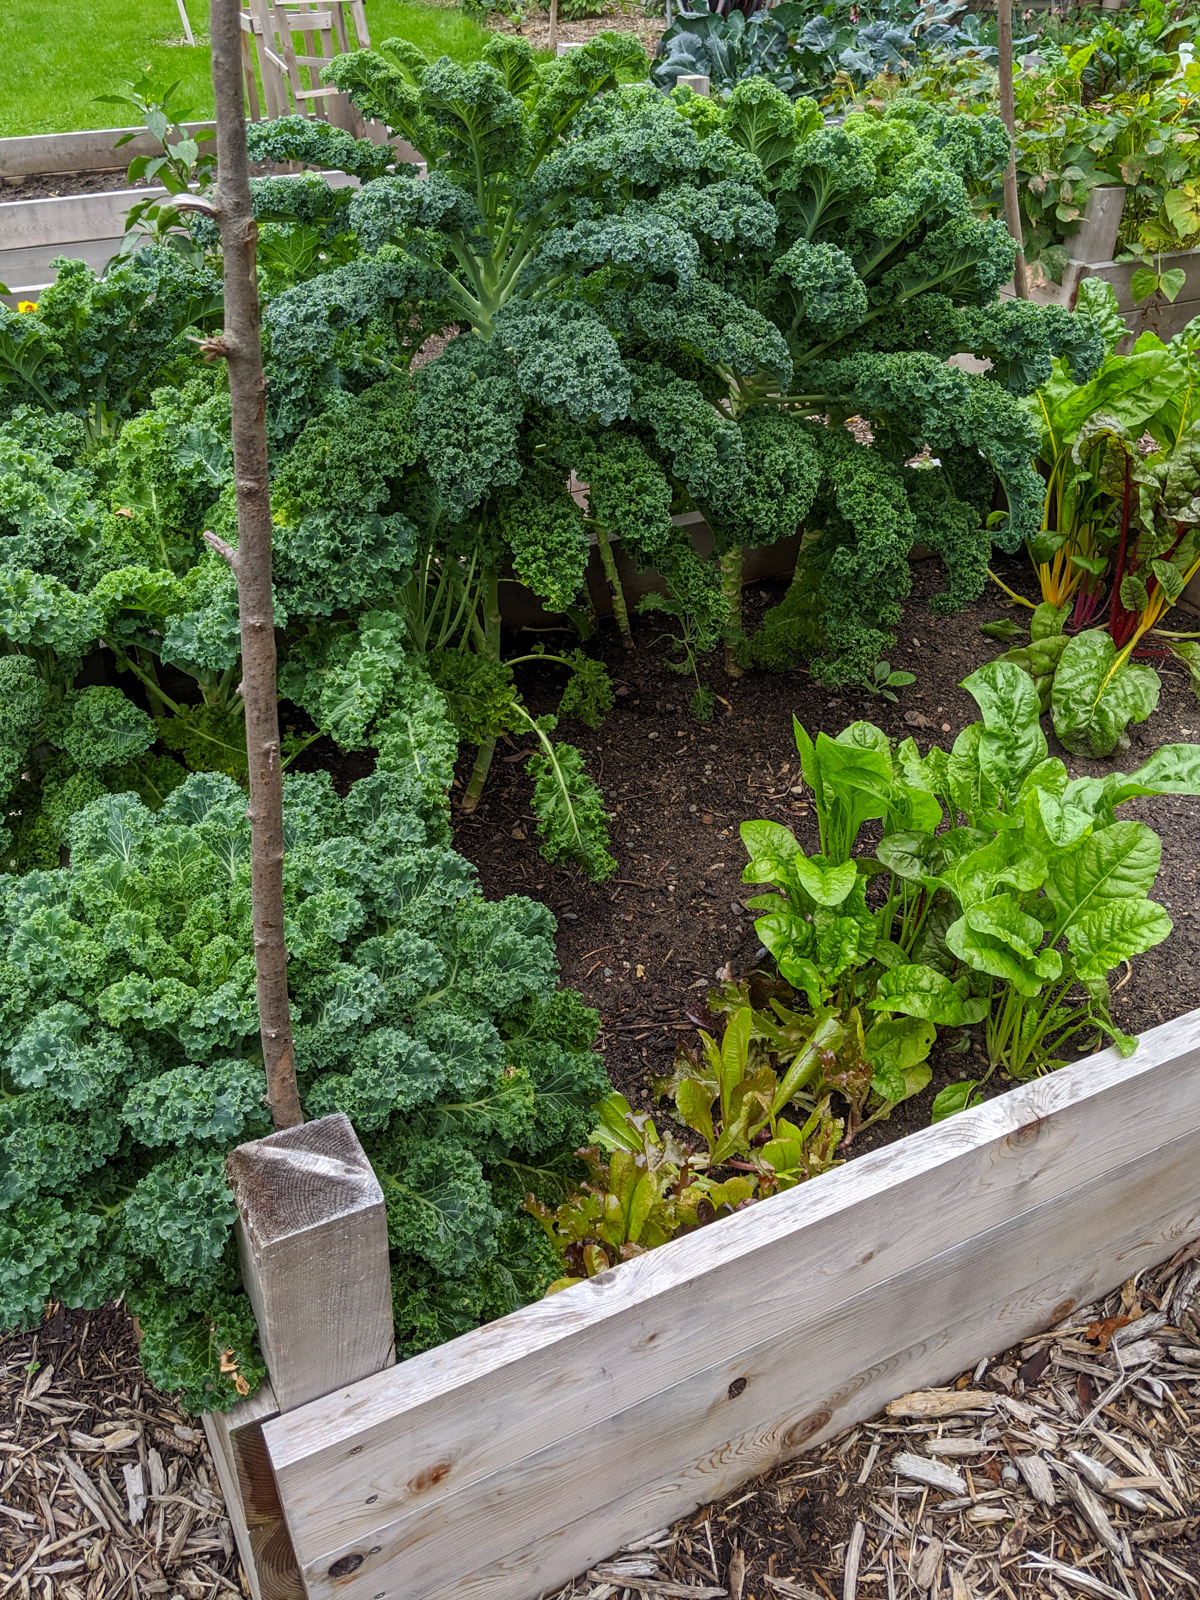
point(59, 54)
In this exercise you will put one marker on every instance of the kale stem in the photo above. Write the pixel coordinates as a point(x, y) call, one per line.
point(615, 588)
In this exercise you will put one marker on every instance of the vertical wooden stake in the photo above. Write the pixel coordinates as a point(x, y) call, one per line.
point(312, 1236)
point(251, 1499)
point(1012, 205)
point(241, 347)
point(554, 26)
point(188, 36)
point(313, 1242)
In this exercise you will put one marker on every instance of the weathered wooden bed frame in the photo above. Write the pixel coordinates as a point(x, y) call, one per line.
point(506, 1461)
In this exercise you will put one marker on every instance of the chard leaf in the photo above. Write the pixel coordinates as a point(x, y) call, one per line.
point(1118, 863)
point(971, 789)
point(1104, 936)
point(772, 849)
point(953, 1098)
point(894, 1047)
point(1172, 769)
point(1012, 742)
point(1097, 695)
point(1054, 824)
point(827, 885)
point(920, 991)
point(1006, 858)
point(999, 938)
point(1047, 620)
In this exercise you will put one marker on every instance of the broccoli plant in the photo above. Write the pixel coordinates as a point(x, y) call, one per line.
point(130, 1055)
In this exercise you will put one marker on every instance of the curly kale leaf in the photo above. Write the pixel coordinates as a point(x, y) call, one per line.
point(429, 1308)
point(24, 700)
point(389, 209)
point(925, 401)
point(469, 412)
point(198, 1346)
point(385, 89)
point(544, 528)
point(335, 330)
point(221, 1102)
point(719, 328)
point(572, 820)
point(705, 448)
point(826, 292)
point(565, 357)
point(393, 1072)
point(589, 691)
point(439, 1205)
point(97, 347)
point(99, 727)
point(784, 470)
point(181, 1215)
point(1021, 341)
point(62, 1051)
point(316, 144)
point(637, 242)
point(41, 1242)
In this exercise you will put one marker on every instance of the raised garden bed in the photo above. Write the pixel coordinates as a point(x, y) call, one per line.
point(509, 1459)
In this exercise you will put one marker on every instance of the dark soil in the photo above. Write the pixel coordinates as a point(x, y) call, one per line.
point(52, 185)
point(651, 941)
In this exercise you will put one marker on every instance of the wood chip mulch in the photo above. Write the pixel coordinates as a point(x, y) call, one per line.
point(1069, 1466)
point(107, 1490)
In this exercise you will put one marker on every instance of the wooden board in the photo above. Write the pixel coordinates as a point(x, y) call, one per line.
point(506, 1461)
point(251, 1499)
point(91, 150)
point(83, 227)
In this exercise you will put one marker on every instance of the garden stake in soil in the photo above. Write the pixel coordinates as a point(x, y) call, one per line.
point(241, 348)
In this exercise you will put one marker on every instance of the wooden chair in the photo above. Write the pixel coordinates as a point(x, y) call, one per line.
point(295, 39)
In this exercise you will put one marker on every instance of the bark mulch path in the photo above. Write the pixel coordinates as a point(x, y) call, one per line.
point(1068, 1466)
point(107, 1490)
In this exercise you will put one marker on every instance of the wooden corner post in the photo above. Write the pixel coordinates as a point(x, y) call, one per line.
point(312, 1236)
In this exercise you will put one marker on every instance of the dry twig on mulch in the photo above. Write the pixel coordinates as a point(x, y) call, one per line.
point(107, 1490)
point(1068, 1467)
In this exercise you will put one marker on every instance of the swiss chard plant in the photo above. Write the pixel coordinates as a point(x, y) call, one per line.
point(1118, 545)
point(130, 1055)
point(1000, 890)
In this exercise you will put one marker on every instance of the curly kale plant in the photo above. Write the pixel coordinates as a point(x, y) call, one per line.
point(682, 303)
point(873, 274)
point(96, 347)
point(129, 1055)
